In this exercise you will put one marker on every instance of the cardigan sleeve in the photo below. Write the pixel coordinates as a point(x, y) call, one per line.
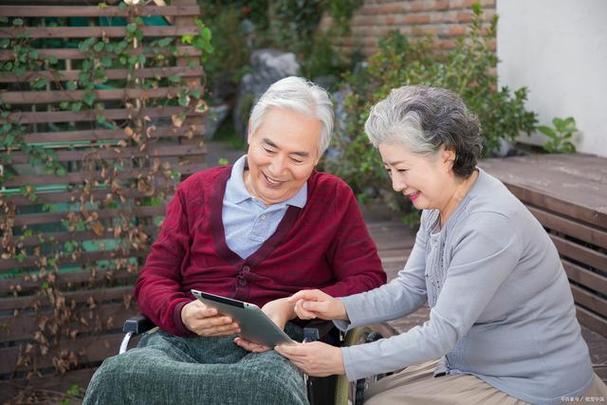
point(403, 295)
point(485, 253)
point(352, 253)
point(158, 288)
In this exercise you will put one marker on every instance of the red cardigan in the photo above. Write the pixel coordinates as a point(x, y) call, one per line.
point(324, 245)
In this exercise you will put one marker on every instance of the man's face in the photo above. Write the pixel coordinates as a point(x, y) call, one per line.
point(282, 153)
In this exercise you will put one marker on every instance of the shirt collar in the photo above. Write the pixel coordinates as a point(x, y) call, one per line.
point(236, 191)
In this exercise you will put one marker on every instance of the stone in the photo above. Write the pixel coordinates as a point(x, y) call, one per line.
point(213, 119)
point(268, 66)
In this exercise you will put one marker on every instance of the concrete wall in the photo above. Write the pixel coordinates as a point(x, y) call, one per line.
point(558, 49)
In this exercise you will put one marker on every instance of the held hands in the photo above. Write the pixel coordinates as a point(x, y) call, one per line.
point(310, 304)
point(280, 311)
point(206, 321)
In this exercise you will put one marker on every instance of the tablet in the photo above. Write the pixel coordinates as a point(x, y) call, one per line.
point(254, 323)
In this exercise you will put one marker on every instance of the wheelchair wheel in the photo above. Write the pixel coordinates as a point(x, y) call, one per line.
point(347, 393)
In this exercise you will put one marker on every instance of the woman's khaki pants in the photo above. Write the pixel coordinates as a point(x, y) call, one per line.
point(416, 385)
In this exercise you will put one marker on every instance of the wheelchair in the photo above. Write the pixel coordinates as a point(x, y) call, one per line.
point(332, 390)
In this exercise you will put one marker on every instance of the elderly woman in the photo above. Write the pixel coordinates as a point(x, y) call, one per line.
point(502, 325)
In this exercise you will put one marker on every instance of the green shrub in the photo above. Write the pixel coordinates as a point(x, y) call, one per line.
point(559, 136)
point(469, 70)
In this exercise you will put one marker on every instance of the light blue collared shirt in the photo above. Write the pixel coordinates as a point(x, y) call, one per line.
point(247, 221)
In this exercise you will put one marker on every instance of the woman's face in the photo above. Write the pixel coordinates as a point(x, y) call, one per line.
point(428, 181)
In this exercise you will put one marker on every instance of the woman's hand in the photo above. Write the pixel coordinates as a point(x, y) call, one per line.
point(280, 311)
point(315, 358)
point(207, 321)
point(310, 304)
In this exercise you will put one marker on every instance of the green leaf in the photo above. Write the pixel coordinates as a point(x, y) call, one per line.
point(18, 22)
point(187, 39)
point(60, 171)
point(39, 82)
point(101, 119)
point(87, 64)
point(99, 46)
point(76, 106)
point(106, 61)
point(131, 28)
point(546, 130)
point(89, 98)
point(174, 78)
point(164, 42)
point(71, 85)
point(196, 93)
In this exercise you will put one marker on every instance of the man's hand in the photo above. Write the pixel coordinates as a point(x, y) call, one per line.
point(310, 304)
point(280, 311)
point(206, 321)
point(316, 359)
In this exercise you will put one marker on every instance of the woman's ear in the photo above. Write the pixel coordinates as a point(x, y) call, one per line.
point(448, 158)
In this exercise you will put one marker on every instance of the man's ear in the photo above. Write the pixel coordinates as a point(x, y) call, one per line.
point(249, 133)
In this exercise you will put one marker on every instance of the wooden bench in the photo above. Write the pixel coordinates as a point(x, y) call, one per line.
point(568, 195)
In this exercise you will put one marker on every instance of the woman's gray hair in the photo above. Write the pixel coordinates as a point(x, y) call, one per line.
point(424, 119)
point(297, 94)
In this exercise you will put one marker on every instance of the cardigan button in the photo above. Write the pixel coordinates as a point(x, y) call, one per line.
point(242, 282)
point(246, 268)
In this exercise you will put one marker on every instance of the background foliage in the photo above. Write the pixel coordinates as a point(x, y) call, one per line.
point(469, 70)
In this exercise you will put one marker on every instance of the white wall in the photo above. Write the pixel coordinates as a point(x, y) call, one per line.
point(558, 50)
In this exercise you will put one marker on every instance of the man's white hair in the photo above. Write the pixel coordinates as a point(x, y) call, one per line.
point(300, 95)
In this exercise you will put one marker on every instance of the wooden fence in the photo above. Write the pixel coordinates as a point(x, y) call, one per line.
point(112, 148)
point(567, 194)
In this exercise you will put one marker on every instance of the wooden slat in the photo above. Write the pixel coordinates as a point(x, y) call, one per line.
point(23, 326)
point(96, 11)
point(71, 196)
point(61, 53)
point(590, 301)
point(44, 117)
point(68, 281)
point(574, 185)
point(53, 382)
point(86, 135)
point(80, 297)
point(153, 151)
point(51, 217)
point(591, 321)
point(585, 277)
point(564, 207)
point(112, 74)
point(95, 349)
point(88, 32)
point(59, 237)
point(571, 228)
point(80, 177)
point(579, 253)
point(82, 259)
point(46, 97)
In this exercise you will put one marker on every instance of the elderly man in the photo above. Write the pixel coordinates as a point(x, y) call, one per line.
point(258, 231)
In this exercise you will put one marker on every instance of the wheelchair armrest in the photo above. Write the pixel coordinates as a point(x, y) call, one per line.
point(317, 329)
point(137, 324)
